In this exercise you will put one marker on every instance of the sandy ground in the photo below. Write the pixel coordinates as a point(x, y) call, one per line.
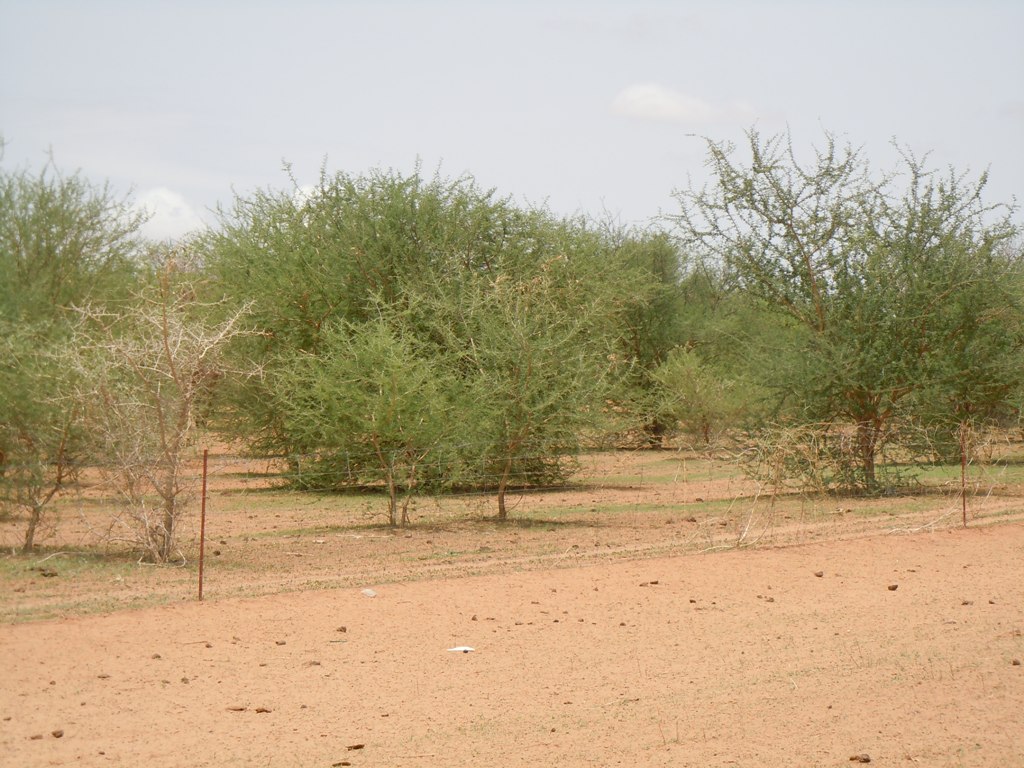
point(734, 658)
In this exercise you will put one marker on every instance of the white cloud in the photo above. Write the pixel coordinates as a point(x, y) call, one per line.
point(304, 193)
point(170, 215)
point(651, 101)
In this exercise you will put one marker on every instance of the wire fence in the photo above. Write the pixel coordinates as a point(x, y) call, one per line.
point(94, 508)
point(366, 471)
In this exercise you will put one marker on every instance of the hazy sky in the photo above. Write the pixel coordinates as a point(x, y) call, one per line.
point(586, 106)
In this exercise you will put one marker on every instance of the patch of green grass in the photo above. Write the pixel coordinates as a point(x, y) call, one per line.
point(278, 500)
point(57, 583)
point(544, 516)
point(15, 614)
point(668, 472)
point(315, 530)
point(549, 521)
point(72, 563)
point(976, 473)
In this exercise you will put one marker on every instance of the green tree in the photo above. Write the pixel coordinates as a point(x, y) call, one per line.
point(653, 325)
point(536, 375)
point(63, 241)
point(705, 401)
point(535, 336)
point(366, 409)
point(339, 253)
point(974, 356)
point(864, 268)
point(710, 385)
point(40, 431)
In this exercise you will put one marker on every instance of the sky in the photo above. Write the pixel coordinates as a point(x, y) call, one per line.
point(598, 108)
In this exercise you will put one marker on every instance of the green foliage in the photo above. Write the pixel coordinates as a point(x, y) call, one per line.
point(365, 410)
point(40, 430)
point(351, 244)
point(63, 241)
point(535, 368)
point(705, 401)
point(974, 360)
point(870, 275)
point(519, 312)
point(653, 323)
point(337, 254)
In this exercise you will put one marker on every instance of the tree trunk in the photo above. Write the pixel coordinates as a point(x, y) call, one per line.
point(34, 516)
point(39, 503)
point(963, 471)
point(166, 538)
point(169, 494)
point(867, 441)
point(392, 497)
point(410, 487)
point(502, 487)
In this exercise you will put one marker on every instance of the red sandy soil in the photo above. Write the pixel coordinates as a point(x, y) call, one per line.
point(791, 656)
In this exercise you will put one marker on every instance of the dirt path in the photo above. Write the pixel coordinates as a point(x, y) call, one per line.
point(728, 659)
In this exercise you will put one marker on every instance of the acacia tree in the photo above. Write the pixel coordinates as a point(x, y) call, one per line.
point(974, 360)
point(700, 398)
point(534, 335)
point(366, 409)
point(40, 432)
point(538, 378)
point(865, 266)
point(337, 254)
point(653, 325)
point(63, 241)
point(708, 386)
point(145, 370)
